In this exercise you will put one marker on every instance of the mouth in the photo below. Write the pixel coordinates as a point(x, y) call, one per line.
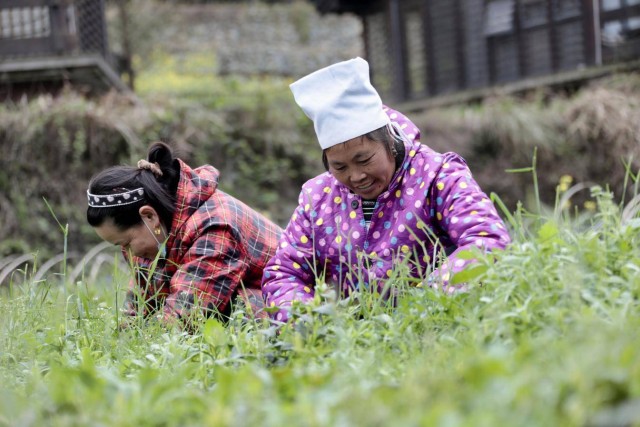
point(364, 187)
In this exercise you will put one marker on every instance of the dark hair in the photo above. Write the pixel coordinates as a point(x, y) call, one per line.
point(159, 192)
point(382, 135)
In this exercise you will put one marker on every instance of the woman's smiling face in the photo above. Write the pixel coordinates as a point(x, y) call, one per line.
point(362, 165)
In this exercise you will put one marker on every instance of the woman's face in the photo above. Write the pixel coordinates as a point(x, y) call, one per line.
point(362, 165)
point(137, 240)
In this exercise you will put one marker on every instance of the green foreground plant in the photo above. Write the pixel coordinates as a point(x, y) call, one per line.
point(546, 335)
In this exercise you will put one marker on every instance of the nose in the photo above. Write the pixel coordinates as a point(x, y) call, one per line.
point(357, 175)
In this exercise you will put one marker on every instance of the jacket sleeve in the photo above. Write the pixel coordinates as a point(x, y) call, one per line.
point(290, 274)
point(208, 275)
point(465, 214)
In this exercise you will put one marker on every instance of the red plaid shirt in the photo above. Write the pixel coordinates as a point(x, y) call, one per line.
point(217, 248)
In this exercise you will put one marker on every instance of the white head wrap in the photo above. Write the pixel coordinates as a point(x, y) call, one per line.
point(341, 102)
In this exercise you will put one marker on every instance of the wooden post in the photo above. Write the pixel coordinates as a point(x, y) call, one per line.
point(590, 31)
point(126, 43)
point(553, 39)
point(428, 45)
point(396, 29)
point(517, 32)
point(58, 26)
point(460, 46)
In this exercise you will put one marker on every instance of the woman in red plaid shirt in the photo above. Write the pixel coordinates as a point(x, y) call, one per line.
point(192, 246)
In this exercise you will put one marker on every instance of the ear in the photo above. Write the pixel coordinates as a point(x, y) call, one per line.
point(149, 214)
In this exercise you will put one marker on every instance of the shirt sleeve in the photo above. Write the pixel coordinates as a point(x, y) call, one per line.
point(466, 215)
point(209, 274)
point(290, 274)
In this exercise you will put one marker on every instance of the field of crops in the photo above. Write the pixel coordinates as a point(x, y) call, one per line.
point(547, 335)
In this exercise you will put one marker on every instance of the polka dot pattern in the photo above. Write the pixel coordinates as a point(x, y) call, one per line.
point(432, 194)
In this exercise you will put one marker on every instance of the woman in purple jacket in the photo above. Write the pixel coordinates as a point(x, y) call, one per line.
point(386, 200)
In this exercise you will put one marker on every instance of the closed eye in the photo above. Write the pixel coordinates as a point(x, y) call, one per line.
point(364, 162)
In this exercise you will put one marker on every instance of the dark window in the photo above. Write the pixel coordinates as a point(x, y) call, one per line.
point(563, 9)
point(533, 13)
point(620, 30)
point(24, 23)
point(499, 17)
point(415, 48)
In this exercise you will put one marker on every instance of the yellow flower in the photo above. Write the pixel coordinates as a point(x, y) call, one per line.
point(566, 179)
point(565, 183)
point(590, 205)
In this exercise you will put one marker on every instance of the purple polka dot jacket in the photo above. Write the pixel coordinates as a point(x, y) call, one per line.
point(432, 206)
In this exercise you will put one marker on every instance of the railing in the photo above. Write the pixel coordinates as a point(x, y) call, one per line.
point(102, 260)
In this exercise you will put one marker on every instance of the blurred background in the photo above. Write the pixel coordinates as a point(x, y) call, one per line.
point(87, 84)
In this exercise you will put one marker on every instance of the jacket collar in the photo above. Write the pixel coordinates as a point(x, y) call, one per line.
point(195, 187)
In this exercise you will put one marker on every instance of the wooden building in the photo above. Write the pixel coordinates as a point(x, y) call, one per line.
point(422, 49)
point(45, 44)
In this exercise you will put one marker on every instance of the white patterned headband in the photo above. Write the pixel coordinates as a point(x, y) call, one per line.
point(117, 199)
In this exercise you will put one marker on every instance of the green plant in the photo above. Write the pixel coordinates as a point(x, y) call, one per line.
point(546, 335)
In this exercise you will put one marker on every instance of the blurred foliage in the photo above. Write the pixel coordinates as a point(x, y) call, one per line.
point(592, 136)
point(260, 141)
point(265, 148)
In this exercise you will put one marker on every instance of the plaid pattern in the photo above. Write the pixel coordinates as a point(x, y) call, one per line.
point(217, 249)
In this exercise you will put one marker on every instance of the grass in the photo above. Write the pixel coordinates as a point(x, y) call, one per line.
point(547, 335)
point(194, 77)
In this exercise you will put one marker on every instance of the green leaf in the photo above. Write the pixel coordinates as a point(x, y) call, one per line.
point(548, 231)
point(466, 254)
point(472, 272)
